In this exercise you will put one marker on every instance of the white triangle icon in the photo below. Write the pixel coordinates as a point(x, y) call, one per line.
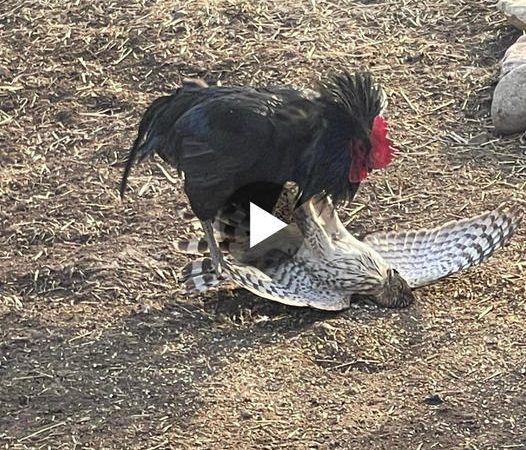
point(262, 224)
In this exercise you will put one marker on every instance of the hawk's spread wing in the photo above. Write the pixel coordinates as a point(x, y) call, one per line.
point(424, 256)
point(287, 283)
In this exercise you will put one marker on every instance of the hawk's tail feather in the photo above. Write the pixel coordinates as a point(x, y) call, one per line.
point(202, 283)
point(424, 256)
point(199, 276)
point(230, 224)
point(192, 246)
point(200, 247)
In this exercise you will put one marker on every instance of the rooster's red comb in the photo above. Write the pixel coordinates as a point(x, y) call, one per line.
point(382, 151)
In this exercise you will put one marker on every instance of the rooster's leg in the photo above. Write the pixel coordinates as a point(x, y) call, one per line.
point(215, 252)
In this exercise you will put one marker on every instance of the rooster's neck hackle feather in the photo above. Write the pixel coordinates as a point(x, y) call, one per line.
point(350, 102)
point(355, 97)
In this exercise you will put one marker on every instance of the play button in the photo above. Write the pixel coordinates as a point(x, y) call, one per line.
point(262, 224)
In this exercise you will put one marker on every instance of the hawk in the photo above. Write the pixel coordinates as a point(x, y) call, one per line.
point(316, 262)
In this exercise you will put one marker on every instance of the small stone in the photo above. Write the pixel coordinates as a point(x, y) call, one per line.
point(515, 12)
point(434, 400)
point(514, 57)
point(508, 109)
point(245, 414)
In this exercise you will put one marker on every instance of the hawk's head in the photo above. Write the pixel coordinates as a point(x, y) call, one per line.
point(396, 293)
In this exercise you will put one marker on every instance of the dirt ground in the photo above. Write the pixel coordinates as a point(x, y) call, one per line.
point(99, 348)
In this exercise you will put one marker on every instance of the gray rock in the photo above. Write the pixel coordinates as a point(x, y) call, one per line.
point(515, 12)
point(514, 57)
point(508, 109)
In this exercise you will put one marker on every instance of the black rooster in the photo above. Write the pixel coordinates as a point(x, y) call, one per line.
point(242, 144)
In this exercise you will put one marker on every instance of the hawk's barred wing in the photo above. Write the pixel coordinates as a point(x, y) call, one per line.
point(288, 284)
point(424, 256)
